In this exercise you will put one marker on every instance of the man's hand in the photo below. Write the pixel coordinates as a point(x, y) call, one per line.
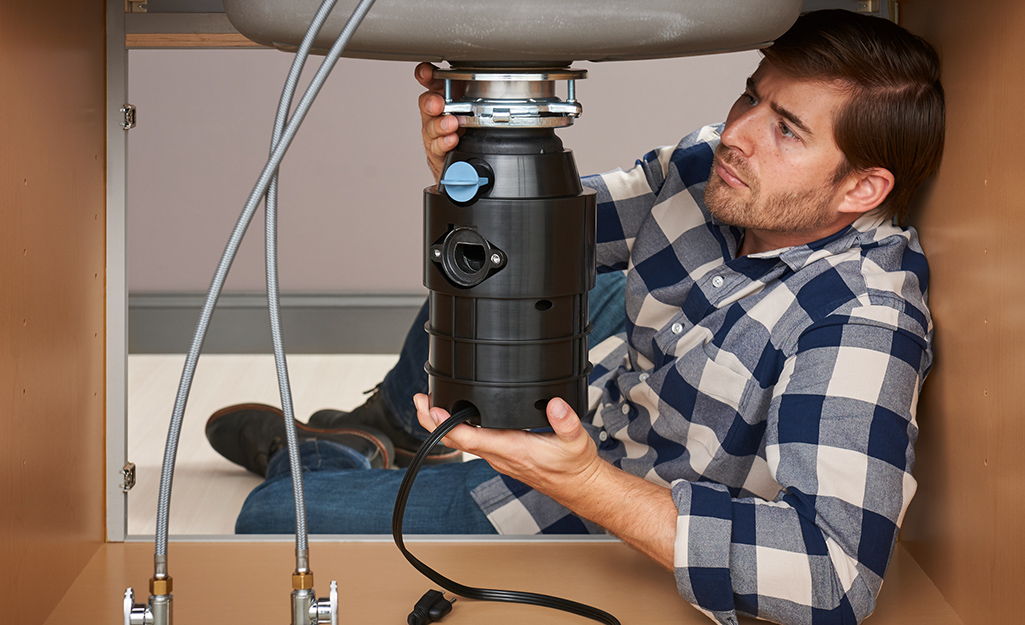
point(565, 460)
point(565, 466)
point(440, 132)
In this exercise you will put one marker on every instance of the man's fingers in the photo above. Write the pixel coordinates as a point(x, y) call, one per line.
point(435, 124)
point(423, 408)
point(424, 73)
point(440, 131)
point(431, 105)
point(435, 127)
point(441, 146)
point(564, 420)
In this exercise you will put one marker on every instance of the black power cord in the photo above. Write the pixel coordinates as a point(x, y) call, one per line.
point(431, 607)
point(426, 603)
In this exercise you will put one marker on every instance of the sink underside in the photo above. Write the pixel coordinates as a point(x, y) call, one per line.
point(524, 32)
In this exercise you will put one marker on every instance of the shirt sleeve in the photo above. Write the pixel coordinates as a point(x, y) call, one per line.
point(626, 198)
point(839, 440)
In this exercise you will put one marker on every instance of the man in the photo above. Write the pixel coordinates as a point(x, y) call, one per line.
point(753, 429)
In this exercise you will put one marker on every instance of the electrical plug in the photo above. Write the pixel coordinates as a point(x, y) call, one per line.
point(430, 608)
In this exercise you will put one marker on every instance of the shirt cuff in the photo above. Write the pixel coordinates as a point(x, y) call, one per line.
point(704, 528)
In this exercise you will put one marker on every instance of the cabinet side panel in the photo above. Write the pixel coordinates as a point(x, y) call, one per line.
point(52, 231)
point(966, 524)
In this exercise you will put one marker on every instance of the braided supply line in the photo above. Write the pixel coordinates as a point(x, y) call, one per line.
point(284, 134)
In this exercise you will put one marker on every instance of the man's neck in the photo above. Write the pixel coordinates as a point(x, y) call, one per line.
point(758, 241)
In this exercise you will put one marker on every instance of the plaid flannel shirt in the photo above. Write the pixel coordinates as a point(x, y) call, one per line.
point(774, 394)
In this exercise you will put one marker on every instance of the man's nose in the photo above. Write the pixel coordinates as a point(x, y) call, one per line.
point(739, 135)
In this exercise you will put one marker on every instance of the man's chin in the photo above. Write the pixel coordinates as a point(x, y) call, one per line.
point(722, 208)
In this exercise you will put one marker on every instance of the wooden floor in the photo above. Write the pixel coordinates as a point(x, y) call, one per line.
point(208, 491)
point(250, 582)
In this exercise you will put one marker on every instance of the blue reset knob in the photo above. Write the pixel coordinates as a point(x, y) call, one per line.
point(461, 181)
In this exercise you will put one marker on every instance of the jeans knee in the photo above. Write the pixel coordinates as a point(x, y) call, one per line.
point(264, 511)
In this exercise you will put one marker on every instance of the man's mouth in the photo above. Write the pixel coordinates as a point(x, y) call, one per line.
point(728, 176)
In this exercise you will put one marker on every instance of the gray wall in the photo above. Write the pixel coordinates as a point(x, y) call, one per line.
point(351, 184)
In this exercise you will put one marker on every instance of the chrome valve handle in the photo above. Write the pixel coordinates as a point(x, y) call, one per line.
point(136, 613)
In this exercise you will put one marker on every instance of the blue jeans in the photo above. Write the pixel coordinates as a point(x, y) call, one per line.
point(345, 496)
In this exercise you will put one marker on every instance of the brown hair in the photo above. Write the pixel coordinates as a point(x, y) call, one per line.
point(894, 117)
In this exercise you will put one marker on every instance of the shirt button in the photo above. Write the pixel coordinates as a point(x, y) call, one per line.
point(717, 281)
point(603, 436)
point(626, 408)
point(677, 328)
point(642, 377)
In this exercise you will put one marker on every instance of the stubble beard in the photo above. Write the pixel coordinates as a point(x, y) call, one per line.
point(792, 212)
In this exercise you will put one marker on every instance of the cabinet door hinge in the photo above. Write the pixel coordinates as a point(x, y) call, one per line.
point(127, 477)
point(128, 116)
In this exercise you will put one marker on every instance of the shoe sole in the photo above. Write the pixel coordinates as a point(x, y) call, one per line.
point(403, 457)
point(376, 440)
point(302, 427)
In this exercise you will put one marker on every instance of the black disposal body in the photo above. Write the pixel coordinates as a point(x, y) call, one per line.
point(509, 240)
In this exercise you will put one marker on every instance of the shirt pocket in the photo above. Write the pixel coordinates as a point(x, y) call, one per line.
point(724, 384)
point(720, 389)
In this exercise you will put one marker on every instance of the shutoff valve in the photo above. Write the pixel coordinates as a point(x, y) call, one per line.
point(156, 612)
point(307, 609)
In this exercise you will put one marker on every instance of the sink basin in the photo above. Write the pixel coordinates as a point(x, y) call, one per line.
point(524, 32)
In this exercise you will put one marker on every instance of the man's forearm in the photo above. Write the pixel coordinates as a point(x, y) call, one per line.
point(637, 511)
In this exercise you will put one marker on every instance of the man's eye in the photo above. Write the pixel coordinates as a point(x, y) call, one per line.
point(748, 99)
point(786, 132)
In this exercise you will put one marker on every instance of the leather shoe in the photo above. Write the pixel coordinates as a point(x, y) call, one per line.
point(249, 434)
point(375, 414)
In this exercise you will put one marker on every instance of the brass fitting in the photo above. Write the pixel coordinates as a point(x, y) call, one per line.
point(160, 586)
point(302, 581)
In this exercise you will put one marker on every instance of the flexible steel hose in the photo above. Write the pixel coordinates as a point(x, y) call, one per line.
point(284, 133)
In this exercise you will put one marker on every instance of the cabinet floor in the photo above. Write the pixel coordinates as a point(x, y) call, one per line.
point(208, 490)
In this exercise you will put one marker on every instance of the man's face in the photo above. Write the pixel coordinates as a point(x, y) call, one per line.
point(773, 171)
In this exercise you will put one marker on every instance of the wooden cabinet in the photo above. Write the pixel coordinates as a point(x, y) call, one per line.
point(964, 530)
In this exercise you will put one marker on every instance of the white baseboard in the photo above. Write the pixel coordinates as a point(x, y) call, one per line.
point(163, 323)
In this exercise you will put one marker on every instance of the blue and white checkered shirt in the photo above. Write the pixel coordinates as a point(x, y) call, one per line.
point(774, 393)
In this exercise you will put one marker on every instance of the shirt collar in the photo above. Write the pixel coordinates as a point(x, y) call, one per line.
point(864, 228)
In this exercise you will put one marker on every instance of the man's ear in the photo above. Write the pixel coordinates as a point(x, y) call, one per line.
point(866, 190)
